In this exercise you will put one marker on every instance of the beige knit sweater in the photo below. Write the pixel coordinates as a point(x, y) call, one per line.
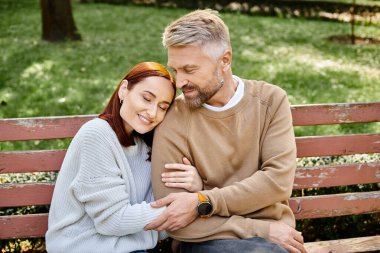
point(245, 155)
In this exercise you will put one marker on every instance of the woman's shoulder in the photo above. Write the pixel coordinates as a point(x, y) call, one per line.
point(95, 128)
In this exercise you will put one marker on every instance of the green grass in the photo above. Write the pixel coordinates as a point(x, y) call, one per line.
point(42, 79)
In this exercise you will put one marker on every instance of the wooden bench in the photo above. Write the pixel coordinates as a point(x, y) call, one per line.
point(35, 225)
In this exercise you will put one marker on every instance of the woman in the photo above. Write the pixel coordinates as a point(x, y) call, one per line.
point(102, 194)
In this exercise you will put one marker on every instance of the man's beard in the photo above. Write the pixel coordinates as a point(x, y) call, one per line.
point(203, 95)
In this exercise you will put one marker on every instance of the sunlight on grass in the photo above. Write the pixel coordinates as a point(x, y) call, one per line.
point(38, 70)
point(78, 77)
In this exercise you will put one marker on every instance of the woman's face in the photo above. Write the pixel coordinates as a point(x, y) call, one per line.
point(145, 105)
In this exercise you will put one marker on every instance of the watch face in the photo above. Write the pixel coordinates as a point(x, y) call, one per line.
point(204, 208)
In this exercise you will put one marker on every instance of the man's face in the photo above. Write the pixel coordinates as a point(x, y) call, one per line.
point(197, 74)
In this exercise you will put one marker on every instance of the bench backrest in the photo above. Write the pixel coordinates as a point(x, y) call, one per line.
point(35, 225)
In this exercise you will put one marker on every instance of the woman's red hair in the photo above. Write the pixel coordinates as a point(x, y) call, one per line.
point(111, 112)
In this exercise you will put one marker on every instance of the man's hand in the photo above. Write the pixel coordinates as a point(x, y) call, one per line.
point(287, 237)
point(180, 211)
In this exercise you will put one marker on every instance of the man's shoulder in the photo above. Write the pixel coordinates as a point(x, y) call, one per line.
point(179, 108)
point(177, 115)
point(266, 92)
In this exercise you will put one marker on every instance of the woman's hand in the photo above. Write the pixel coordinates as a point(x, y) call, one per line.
point(183, 176)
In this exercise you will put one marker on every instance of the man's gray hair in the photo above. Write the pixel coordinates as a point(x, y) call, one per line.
point(201, 27)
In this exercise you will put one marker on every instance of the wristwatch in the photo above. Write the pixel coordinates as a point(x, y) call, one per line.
point(204, 207)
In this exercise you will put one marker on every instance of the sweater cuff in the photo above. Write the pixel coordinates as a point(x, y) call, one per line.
point(216, 198)
point(258, 227)
point(162, 235)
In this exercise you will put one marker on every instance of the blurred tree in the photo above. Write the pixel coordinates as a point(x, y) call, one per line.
point(352, 21)
point(57, 21)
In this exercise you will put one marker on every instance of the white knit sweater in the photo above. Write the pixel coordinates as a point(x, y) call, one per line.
point(102, 194)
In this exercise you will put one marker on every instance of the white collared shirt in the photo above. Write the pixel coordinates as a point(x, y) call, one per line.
point(233, 101)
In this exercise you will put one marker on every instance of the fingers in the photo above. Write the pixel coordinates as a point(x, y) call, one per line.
point(185, 166)
point(162, 202)
point(184, 176)
point(298, 236)
point(157, 223)
point(296, 247)
point(295, 244)
point(178, 166)
point(178, 185)
point(184, 180)
point(175, 175)
point(186, 161)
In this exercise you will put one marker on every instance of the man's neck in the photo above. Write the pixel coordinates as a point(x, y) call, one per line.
point(225, 93)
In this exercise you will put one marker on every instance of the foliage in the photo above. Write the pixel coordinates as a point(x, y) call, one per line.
point(23, 245)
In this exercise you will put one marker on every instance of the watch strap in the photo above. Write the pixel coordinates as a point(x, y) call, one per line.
point(202, 198)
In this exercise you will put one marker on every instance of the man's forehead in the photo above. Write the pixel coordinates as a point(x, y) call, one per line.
point(180, 61)
point(181, 66)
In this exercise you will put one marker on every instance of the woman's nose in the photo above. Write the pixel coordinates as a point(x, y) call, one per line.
point(152, 112)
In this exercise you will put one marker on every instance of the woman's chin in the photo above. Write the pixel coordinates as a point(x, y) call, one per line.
point(143, 130)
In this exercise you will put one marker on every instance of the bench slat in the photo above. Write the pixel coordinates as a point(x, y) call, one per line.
point(359, 244)
point(41, 128)
point(335, 204)
point(31, 161)
point(312, 177)
point(23, 226)
point(13, 195)
point(325, 114)
point(50, 160)
point(303, 207)
point(328, 176)
point(338, 145)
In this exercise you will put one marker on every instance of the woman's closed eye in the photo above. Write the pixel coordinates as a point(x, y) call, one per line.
point(164, 107)
point(146, 98)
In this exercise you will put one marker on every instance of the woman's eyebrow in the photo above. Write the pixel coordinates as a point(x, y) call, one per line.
point(151, 93)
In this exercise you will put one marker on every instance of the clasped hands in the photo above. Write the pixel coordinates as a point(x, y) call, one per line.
point(181, 208)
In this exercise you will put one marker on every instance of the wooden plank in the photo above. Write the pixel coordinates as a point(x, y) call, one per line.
point(67, 126)
point(31, 161)
point(13, 195)
point(23, 226)
point(335, 204)
point(50, 160)
point(335, 175)
point(324, 114)
point(338, 145)
point(41, 128)
point(359, 244)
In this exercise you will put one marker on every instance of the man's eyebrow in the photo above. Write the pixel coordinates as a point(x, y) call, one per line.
point(187, 66)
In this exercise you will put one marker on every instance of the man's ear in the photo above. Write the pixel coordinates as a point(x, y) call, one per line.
point(226, 60)
point(123, 90)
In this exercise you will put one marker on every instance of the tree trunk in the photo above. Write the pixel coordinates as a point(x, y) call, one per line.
point(353, 22)
point(57, 21)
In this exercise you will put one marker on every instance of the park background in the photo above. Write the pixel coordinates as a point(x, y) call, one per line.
point(304, 47)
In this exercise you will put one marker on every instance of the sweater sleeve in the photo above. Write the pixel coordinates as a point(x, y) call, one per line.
point(272, 183)
point(101, 188)
point(170, 145)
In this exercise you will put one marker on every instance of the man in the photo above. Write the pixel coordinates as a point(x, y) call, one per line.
point(238, 134)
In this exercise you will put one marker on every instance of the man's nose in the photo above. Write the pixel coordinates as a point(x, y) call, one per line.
point(181, 81)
